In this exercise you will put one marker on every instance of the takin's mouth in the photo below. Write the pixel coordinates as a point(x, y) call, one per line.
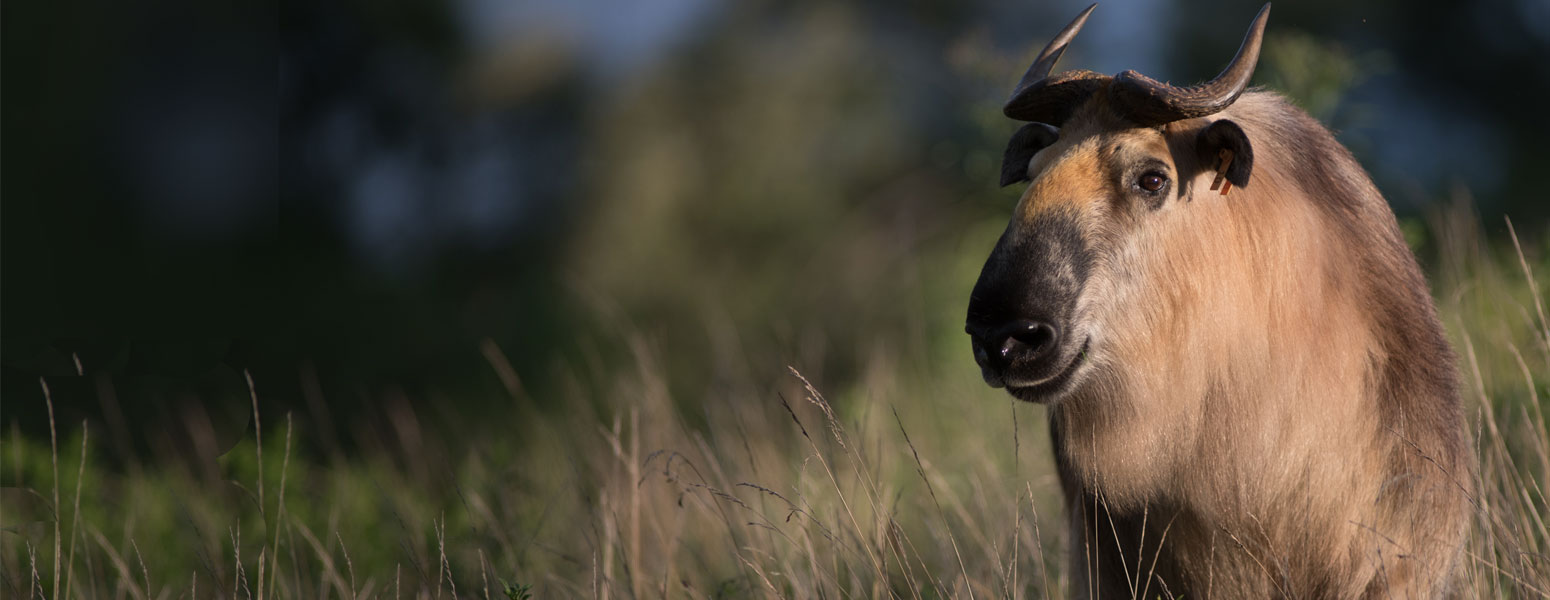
point(1044, 390)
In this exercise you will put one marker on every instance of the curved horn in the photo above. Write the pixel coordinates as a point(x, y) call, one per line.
point(1151, 102)
point(1042, 66)
point(1038, 97)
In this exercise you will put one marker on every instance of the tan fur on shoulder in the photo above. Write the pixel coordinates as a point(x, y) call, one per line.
point(1268, 380)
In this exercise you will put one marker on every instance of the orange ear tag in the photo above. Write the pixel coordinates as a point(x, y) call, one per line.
point(1224, 161)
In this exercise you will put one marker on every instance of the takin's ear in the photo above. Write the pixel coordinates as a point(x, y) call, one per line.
point(1027, 142)
point(1226, 135)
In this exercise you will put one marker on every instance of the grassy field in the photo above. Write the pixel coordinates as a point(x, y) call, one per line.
point(914, 480)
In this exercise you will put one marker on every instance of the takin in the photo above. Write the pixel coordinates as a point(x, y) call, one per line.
point(1249, 392)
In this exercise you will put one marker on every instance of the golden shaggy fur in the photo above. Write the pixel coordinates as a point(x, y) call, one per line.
point(1269, 395)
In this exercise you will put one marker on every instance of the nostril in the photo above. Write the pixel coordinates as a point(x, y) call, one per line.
point(1038, 336)
point(1030, 338)
point(1010, 347)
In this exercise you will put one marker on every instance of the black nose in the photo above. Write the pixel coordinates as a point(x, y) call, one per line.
point(1018, 341)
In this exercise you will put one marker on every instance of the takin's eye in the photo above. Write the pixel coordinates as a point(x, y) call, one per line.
point(1152, 182)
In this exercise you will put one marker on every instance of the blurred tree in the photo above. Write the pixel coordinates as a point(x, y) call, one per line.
point(745, 185)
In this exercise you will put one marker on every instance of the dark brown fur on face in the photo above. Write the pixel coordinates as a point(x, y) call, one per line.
point(1269, 407)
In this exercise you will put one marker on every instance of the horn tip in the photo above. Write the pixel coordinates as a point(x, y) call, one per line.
point(1082, 18)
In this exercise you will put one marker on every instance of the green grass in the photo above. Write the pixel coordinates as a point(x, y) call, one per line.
point(914, 480)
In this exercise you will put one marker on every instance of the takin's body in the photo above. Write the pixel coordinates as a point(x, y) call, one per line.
point(1250, 392)
point(1302, 435)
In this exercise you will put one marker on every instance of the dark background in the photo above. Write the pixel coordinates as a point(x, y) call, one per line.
point(367, 204)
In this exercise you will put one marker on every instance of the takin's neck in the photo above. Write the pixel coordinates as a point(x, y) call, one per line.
point(1243, 354)
point(1271, 324)
point(1304, 354)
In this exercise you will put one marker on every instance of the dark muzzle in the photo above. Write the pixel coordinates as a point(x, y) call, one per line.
point(1023, 303)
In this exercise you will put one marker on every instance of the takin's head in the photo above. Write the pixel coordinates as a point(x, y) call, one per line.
point(1101, 155)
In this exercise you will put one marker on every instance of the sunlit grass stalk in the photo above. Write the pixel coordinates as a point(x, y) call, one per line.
point(75, 513)
point(53, 450)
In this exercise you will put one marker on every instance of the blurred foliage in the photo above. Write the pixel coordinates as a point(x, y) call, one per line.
point(463, 224)
point(485, 259)
point(1316, 74)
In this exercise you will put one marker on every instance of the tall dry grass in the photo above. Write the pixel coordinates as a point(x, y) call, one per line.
point(909, 482)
